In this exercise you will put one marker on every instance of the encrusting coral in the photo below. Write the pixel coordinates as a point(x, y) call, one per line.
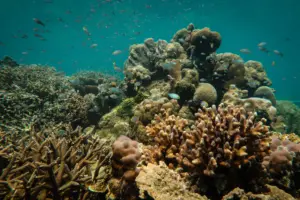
point(161, 183)
point(52, 164)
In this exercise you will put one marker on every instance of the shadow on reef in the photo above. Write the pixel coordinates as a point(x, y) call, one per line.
point(185, 123)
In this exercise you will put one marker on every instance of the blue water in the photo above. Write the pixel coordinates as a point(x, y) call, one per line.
point(115, 25)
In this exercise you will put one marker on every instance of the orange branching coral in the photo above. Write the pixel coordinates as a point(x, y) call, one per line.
point(219, 139)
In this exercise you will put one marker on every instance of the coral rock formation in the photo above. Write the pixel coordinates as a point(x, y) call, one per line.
point(161, 183)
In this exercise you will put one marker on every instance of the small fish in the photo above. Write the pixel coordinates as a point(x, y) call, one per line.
point(38, 22)
point(237, 61)
point(135, 119)
point(174, 96)
point(278, 53)
point(24, 36)
point(86, 30)
point(262, 44)
point(245, 51)
point(38, 35)
point(94, 45)
point(113, 96)
point(273, 63)
point(204, 104)
point(116, 68)
point(168, 65)
point(263, 49)
point(116, 52)
point(24, 52)
point(181, 40)
point(203, 80)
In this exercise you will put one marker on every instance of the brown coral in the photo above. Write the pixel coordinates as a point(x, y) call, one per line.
point(226, 137)
point(204, 42)
point(205, 92)
point(44, 165)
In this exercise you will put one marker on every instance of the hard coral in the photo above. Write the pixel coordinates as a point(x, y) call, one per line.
point(256, 76)
point(204, 41)
point(220, 141)
point(45, 165)
point(235, 96)
point(283, 162)
point(266, 93)
point(185, 88)
point(205, 92)
point(126, 156)
point(160, 183)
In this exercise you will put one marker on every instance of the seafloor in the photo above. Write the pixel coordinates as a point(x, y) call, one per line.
point(185, 123)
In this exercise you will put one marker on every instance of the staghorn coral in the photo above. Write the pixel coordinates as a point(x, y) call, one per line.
point(57, 163)
point(219, 141)
point(205, 92)
point(160, 183)
point(39, 95)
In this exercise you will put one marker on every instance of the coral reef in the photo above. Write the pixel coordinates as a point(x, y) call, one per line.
point(255, 75)
point(290, 115)
point(126, 156)
point(205, 92)
point(271, 194)
point(160, 183)
point(266, 93)
point(235, 96)
point(184, 122)
point(219, 141)
point(186, 87)
point(28, 98)
point(283, 162)
point(52, 164)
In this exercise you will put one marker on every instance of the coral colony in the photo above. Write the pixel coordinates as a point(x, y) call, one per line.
point(185, 123)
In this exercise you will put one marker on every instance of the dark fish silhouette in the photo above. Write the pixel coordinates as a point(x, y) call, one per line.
point(38, 22)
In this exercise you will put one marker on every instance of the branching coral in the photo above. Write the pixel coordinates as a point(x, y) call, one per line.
point(221, 141)
point(44, 165)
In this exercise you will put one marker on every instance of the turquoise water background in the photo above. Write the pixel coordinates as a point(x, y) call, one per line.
point(115, 25)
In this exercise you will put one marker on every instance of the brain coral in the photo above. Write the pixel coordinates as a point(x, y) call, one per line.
point(266, 93)
point(205, 92)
